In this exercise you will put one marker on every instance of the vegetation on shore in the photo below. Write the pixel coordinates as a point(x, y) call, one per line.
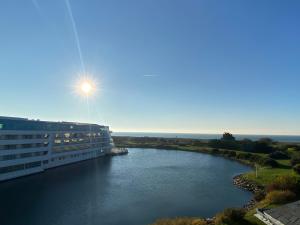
point(277, 171)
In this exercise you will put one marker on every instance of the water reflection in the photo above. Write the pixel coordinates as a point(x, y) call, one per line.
point(134, 189)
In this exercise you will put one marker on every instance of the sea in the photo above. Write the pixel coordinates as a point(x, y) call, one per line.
point(279, 138)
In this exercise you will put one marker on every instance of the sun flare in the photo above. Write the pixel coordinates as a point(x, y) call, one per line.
point(86, 87)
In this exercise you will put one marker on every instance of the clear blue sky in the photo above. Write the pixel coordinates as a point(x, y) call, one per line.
point(214, 65)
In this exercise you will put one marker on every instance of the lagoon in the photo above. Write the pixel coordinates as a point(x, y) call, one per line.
point(133, 189)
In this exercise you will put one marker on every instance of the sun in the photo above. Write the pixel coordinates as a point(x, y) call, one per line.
point(86, 87)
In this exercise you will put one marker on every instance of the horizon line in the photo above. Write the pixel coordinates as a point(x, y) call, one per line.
point(167, 132)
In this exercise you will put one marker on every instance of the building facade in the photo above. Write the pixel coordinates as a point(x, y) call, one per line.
point(31, 146)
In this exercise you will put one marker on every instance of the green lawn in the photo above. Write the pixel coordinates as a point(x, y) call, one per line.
point(267, 175)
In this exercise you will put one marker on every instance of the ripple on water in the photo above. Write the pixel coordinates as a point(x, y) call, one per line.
point(133, 189)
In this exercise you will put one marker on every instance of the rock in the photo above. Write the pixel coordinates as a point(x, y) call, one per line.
point(242, 183)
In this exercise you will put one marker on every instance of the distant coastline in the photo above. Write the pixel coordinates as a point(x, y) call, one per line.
point(280, 138)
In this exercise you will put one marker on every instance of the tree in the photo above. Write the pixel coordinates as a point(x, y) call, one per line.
point(247, 145)
point(228, 137)
point(266, 140)
point(262, 147)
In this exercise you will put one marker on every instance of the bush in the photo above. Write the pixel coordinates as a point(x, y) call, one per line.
point(256, 158)
point(230, 216)
point(225, 144)
point(280, 197)
point(242, 155)
point(215, 151)
point(297, 168)
point(268, 162)
point(232, 154)
point(260, 195)
point(180, 221)
point(284, 183)
point(266, 140)
point(247, 145)
point(262, 147)
point(278, 155)
point(295, 160)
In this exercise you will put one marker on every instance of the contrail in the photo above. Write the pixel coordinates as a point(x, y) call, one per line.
point(75, 34)
point(150, 75)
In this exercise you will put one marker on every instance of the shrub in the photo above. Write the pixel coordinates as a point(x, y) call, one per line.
point(247, 145)
point(230, 216)
point(266, 140)
point(242, 155)
point(225, 144)
point(268, 162)
point(284, 183)
point(225, 152)
point(215, 151)
point(232, 154)
point(295, 160)
point(278, 155)
point(280, 197)
point(229, 153)
point(255, 158)
point(260, 195)
point(180, 221)
point(297, 168)
point(262, 147)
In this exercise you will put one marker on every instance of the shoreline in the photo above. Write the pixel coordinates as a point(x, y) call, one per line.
point(238, 180)
point(269, 168)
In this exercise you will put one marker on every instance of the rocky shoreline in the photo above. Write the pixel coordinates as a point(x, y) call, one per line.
point(240, 182)
point(251, 186)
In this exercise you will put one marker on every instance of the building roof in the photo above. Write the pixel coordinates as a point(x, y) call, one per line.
point(14, 123)
point(288, 214)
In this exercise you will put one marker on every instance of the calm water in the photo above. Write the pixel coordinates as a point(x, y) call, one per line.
point(134, 189)
point(281, 138)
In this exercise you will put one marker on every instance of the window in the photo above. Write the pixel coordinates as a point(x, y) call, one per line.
point(11, 137)
point(7, 157)
point(1, 126)
point(25, 155)
point(57, 141)
point(38, 145)
point(32, 165)
point(11, 168)
point(11, 146)
point(27, 136)
point(26, 145)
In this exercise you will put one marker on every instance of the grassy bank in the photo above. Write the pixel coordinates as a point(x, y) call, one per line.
point(264, 157)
